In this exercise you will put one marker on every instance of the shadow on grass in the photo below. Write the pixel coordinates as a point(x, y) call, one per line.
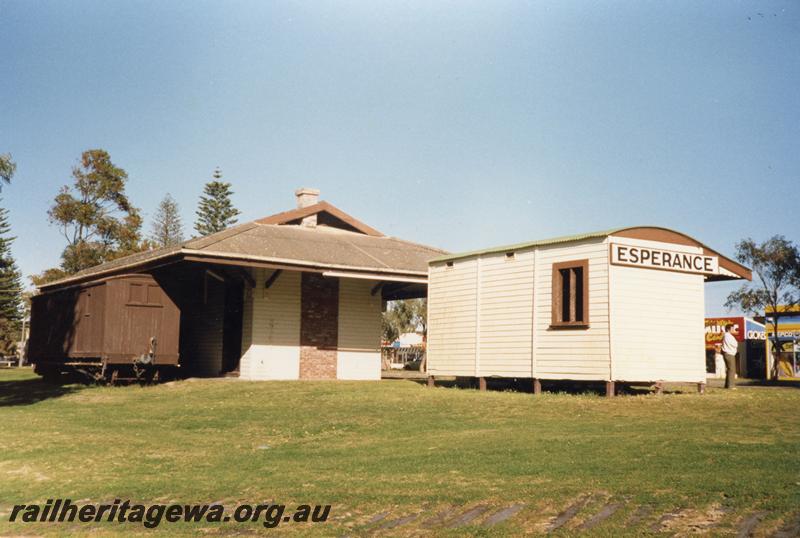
point(764, 383)
point(522, 385)
point(31, 391)
point(525, 385)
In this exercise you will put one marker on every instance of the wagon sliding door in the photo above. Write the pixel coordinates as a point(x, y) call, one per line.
point(140, 312)
point(87, 340)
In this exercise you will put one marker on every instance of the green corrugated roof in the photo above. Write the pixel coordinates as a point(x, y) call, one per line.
point(744, 272)
point(529, 244)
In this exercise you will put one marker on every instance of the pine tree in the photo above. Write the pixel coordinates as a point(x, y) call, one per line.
point(7, 168)
point(215, 211)
point(167, 228)
point(10, 289)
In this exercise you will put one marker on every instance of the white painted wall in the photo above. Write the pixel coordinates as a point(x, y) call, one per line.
point(272, 341)
point(657, 321)
point(484, 318)
point(271, 336)
point(359, 355)
point(581, 354)
point(452, 318)
point(505, 315)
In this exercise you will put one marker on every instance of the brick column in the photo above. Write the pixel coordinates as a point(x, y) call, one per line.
point(319, 326)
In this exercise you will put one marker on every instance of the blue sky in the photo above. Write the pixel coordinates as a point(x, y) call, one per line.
point(457, 124)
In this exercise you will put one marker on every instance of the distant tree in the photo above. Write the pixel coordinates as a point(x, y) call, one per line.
point(7, 168)
point(167, 228)
point(410, 315)
point(419, 307)
point(405, 316)
point(11, 303)
point(215, 211)
point(95, 216)
point(48, 275)
point(776, 264)
point(390, 325)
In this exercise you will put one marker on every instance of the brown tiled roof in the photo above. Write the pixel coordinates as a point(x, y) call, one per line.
point(321, 247)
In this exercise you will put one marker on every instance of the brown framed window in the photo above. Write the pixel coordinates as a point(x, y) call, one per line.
point(571, 295)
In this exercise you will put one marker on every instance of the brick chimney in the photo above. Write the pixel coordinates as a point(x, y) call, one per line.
point(306, 197)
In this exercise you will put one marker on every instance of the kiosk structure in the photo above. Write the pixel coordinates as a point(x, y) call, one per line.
point(750, 359)
point(788, 354)
point(624, 305)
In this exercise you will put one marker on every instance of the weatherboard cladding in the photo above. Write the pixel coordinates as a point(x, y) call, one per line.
point(273, 318)
point(271, 339)
point(656, 321)
point(484, 318)
point(358, 353)
point(490, 314)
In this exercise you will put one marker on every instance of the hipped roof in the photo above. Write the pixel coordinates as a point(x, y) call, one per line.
point(273, 242)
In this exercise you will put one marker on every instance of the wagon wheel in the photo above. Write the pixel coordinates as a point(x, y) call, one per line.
point(146, 376)
point(51, 376)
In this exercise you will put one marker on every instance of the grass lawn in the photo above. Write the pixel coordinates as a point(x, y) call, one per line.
point(380, 451)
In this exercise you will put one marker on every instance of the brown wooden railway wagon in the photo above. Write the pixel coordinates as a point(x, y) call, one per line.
point(123, 325)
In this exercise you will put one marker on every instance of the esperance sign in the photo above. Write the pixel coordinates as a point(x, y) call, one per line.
point(668, 260)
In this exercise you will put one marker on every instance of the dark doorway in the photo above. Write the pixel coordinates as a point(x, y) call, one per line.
point(232, 326)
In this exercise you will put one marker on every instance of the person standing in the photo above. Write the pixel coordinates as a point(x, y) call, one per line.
point(729, 348)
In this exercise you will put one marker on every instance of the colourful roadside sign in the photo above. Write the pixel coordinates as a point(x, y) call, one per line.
point(788, 326)
point(715, 328)
point(754, 330)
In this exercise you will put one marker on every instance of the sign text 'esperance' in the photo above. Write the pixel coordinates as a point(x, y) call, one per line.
point(670, 260)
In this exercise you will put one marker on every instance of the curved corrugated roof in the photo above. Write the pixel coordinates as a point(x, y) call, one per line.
point(730, 264)
point(527, 244)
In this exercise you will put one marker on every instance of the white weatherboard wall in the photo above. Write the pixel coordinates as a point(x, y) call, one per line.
point(657, 329)
point(484, 318)
point(581, 354)
point(359, 355)
point(271, 333)
point(452, 317)
point(271, 337)
point(504, 322)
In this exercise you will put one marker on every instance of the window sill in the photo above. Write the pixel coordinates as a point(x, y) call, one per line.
point(568, 326)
